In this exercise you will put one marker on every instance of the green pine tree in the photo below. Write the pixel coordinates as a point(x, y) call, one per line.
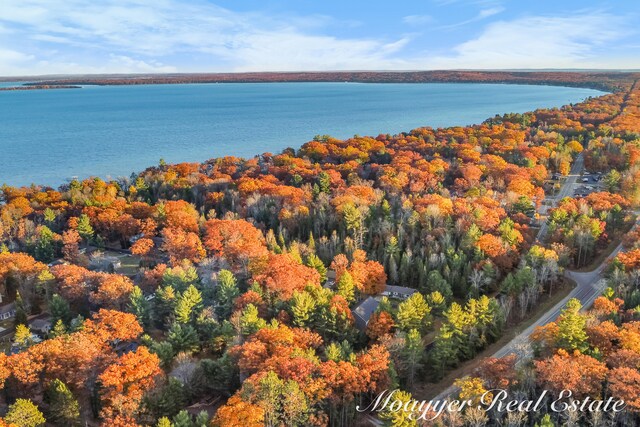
point(22, 311)
point(63, 406)
point(24, 413)
point(545, 422)
point(182, 419)
point(413, 313)
point(324, 182)
point(346, 288)
point(168, 400)
point(315, 262)
point(400, 418)
point(226, 292)
point(250, 321)
point(164, 351)
point(60, 310)
point(140, 307)
point(311, 242)
point(84, 228)
point(412, 354)
point(189, 305)
point(44, 249)
point(572, 333)
point(302, 307)
point(183, 337)
point(58, 329)
point(49, 216)
point(22, 337)
point(202, 419)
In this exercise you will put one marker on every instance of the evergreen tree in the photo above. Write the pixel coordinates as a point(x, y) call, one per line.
point(164, 422)
point(164, 351)
point(226, 292)
point(59, 308)
point(181, 278)
point(182, 419)
point(221, 374)
point(311, 243)
point(400, 418)
point(572, 333)
point(165, 302)
point(435, 282)
point(183, 338)
point(333, 352)
point(405, 270)
point(412, 354)
point(413, 313)
point(58, 329)
point(22, 311)
point(84, 228)
point(250, 321)
point(139, 306)
point(22, 337)
point(189, 305)
point(316, 263)
point(346, 288)
point(444, 353)
point(302, 308)
point(168, 400)
point(24, 413)
point(44, 249)
point(202, 419)
point(545, 422)
point(324, 182)
point(63, 406)
point(49, 216)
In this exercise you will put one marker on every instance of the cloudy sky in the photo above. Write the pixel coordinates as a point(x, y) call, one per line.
point(142, 36)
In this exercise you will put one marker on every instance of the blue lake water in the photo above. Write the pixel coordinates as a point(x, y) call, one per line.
point(48, 136)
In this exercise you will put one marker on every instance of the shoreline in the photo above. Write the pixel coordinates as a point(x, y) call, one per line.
point(609, 81)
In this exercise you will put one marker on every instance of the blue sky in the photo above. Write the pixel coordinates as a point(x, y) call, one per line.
point(142, 36)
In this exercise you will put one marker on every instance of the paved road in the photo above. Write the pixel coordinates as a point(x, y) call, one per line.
point(565, 191)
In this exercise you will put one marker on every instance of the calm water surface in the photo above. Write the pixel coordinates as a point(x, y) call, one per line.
point(48, 136)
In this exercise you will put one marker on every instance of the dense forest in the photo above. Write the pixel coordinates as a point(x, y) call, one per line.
point(286, 289)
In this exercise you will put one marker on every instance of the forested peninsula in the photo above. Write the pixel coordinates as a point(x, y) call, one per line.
point(604, 80)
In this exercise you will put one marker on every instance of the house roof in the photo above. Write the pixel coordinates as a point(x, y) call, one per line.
point(399, 290)
point(40, 324)
point(6, 308)
point(363, 311)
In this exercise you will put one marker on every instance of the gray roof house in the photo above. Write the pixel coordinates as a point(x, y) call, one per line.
point(363, 311)
point(398, 292)
point(7, 311)
point(41, 325)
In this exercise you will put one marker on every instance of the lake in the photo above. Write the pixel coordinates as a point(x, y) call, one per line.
point(48, 136)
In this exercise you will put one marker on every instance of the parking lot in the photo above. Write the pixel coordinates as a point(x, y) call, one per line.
point(587, 184)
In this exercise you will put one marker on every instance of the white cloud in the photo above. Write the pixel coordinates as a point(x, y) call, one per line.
point(483, 3)
point(538, 42)
point(417, 19)
point(148, 32)
point(483, 14)
point(145, 36)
